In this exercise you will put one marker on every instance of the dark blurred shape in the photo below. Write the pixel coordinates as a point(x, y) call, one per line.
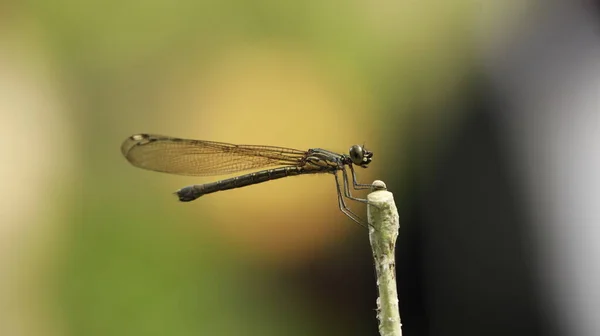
point(502, 236)
point(465, 256)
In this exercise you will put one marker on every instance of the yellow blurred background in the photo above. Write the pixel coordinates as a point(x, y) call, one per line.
point(93, 246)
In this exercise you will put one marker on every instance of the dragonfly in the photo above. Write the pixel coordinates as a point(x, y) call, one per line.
point(205, 158)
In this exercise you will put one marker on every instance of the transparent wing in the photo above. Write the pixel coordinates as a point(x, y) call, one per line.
point(202, 158)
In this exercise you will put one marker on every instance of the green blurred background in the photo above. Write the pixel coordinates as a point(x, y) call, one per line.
point(93, 246)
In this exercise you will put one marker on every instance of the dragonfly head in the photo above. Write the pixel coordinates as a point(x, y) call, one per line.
point(360, 156)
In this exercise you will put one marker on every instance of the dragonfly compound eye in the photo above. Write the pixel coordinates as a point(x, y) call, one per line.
point(357, 155)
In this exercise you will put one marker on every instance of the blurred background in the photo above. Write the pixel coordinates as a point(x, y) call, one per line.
point(483, 117)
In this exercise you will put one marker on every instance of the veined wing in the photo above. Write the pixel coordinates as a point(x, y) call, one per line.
point(202, 158)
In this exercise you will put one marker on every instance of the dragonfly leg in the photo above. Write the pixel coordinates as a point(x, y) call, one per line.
point(342, 204)
point(347, 191)
point(347, 188)
point(358, 186)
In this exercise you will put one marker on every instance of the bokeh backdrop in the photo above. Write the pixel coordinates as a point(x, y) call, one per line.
point(90, 245)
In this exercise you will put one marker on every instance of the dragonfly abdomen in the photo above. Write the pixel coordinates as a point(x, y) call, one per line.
point(192, 192)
